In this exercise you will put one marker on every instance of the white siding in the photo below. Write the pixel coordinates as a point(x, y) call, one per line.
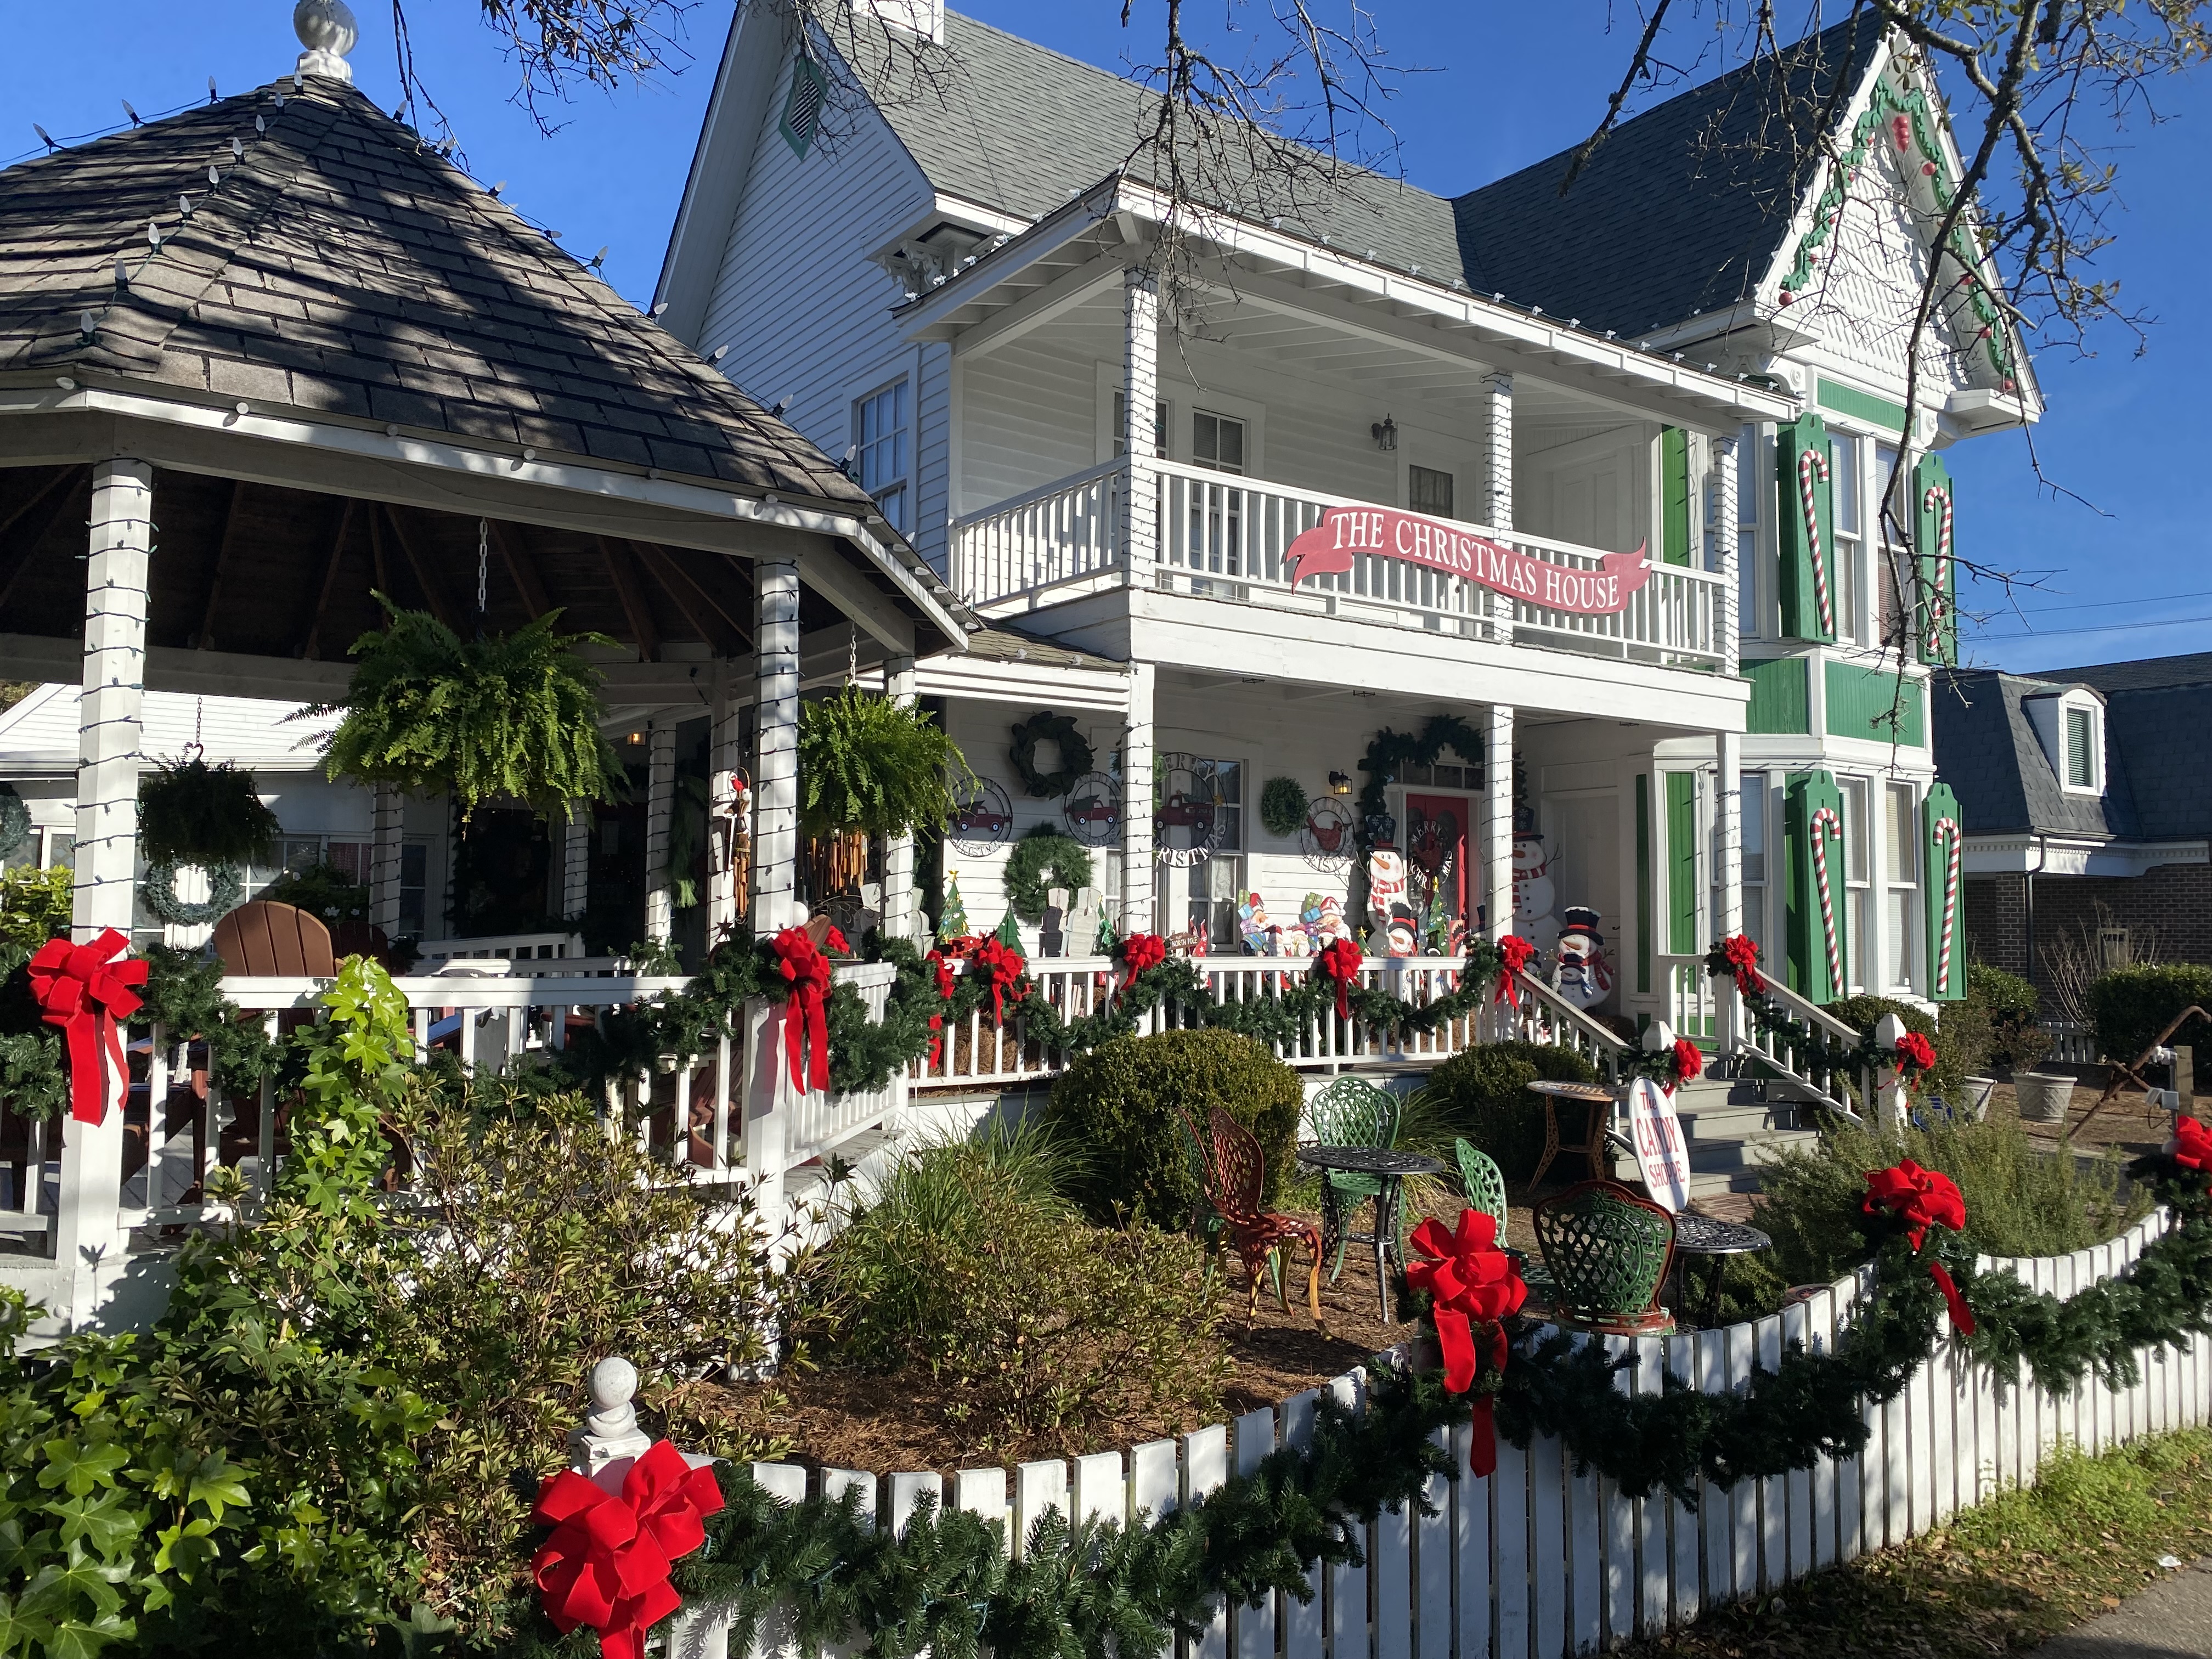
point(1030, 416)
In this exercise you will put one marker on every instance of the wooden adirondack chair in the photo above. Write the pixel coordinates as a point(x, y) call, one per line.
point(265, 940)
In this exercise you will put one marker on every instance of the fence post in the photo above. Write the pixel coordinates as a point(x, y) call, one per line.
point(766, 1120)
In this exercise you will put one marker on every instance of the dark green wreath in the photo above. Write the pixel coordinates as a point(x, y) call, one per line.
point(1391, 749)
point(1075, 754)
point(158, 890)
point(1282, 806)
point(1044, 852)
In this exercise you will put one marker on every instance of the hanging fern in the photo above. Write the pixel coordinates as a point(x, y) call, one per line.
point(510, 718)
point(191, 812)
point(867, 762)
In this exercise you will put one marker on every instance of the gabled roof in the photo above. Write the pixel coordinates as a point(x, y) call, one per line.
point(343, 267)
point(1681, 211)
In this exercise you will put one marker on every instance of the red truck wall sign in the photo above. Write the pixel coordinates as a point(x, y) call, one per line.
point(1384, 532)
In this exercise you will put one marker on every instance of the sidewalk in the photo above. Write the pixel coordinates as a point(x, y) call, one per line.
point(2166, 1619)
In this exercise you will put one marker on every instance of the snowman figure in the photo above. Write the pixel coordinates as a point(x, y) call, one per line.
point(1580, 973)
point(1386, 884)
point(1533, 897)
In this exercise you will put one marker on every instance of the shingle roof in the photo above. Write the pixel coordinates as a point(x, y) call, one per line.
point(2160, 733)
point(1987, 751)
point(1679, 212)
point(343, 268)
point(2147, 674)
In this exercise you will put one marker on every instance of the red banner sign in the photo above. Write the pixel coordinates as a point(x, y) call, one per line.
point(1384, 532)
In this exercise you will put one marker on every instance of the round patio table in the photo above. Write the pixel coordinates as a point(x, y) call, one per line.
point(1599, 1101)
point(1389, 1168)
point(1715, 1242)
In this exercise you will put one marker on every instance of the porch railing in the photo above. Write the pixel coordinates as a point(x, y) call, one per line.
point(1794, 1050)
point(1225, 536)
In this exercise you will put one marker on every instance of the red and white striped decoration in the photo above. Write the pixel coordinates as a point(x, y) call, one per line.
point(1937, 500)
point(1946, 836)
point(1813, 464)
point(1828, 826)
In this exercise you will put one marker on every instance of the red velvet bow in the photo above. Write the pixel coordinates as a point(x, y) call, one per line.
point(1005, 966)
point(1516, 952)
point(1138, 953)
point(944, 972)
point(1923, 1199)
point(1340, 960)
point(607, 1563)
point(1743, 962)
point(1915, 1054)
point(1474, 1285)
point(806, 1009)
point(2192, 1145)
point(84, 990)
point(1689, 1063)
point(833, 941)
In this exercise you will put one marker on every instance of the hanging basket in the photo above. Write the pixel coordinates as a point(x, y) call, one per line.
point(871, 763)
point(190, 813)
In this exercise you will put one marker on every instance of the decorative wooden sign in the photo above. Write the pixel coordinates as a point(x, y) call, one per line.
point(1661, 1155)
point(1384, 532)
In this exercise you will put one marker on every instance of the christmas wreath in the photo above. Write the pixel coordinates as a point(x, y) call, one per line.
point(1058, 730)
point(14, 821)
point(1044, 853)
point(1391, 749)
point(158, 890)
point(1282, 806)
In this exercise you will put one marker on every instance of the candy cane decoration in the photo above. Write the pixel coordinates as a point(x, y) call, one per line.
point(1937, 500)
point(1826, 826)
point(1812, 463)
point(1946, 836)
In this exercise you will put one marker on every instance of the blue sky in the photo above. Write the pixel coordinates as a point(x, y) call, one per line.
point(1503, 84)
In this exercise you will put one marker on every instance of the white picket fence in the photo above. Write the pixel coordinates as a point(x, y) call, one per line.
point(1536, 1560)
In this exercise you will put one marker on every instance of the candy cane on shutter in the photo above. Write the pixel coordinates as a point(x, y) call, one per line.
point(1826, 826)
point(1946, 834)
point(1810, 463)
point(1937, 500)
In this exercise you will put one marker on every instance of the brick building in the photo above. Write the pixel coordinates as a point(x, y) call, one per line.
point(2081, 788)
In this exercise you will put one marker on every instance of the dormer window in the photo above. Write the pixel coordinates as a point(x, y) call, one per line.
point(2071, 726)
point(2083, 763)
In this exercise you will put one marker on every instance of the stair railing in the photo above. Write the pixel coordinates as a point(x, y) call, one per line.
point(1544, 1016)
point(1796, 1048)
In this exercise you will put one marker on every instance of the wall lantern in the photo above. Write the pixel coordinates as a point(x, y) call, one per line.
point(1386, 433)
point(1340, 783)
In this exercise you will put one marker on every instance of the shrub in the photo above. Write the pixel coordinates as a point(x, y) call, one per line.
point(1961, 1048)
point(2010, 1006)
point(1118, 1102)
point(2132, 1007)
point(1483, 1094)
point(970, 1266)
point(34, 906)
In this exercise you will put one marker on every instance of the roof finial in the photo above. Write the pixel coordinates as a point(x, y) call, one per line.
point(327, 29)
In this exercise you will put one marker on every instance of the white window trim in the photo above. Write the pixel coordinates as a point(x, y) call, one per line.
point(907, 363)
point(2047, 714)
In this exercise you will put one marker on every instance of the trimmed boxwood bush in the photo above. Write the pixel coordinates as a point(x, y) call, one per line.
point(1483, 1094)
point(1115, 1107)
point(2132, 1007)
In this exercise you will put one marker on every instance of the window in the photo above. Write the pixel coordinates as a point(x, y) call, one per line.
point(1900, 847)
point(2080, 749)
point(1159, 424)
point(1444, 776)
point(802, 108)
point(1217, 442)
point(1754, 785)
point(881, 442)
point(1204, 896)
point(1428, 490)
point(1858, 884)
point(1849, 536)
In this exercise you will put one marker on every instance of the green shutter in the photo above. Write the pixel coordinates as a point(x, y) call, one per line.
point(1681, 863)
point(1675, 542)
point(1802, 464)
point(1942, 857)
point(1814, 971)
point(1643, 881)
point(1936, 609)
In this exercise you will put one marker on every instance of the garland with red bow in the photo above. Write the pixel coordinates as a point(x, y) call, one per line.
point(1916, 1199)
point(605, 1567)
point(1338, 961)
point(1681, 1061)
point(1001, 966)
point(1514, 953)
point(1914, 1057)
point(1138, 954)
point(1473, 1287)
point(1737, 958)
point(805, 970)
point(85, 989)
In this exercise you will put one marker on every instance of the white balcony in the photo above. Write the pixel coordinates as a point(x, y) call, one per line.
point(1224, 536)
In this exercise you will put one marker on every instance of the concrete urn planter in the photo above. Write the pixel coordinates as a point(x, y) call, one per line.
point(2043, 1097)
point(1975, 1097)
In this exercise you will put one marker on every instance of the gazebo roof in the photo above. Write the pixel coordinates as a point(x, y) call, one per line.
point(292, 256)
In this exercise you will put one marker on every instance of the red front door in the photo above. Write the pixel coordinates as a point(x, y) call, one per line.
point(1436, 853)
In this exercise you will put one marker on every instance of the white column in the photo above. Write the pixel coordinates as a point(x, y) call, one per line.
point(1498, 819)
point(1137, 805)
point(87, 1241)
point(726, 754)
point(775, 745)
point(1140, 393)
point(1728, 826)
point(660, 812)
point(576, 866)
point(1725, 508)
point(387, 817)
point(1498, 453)
point(898, 851)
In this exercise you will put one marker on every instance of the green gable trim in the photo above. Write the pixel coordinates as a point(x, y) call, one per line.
point(1860, 701)
point(1861, 405)
point(1781, 700)
point(1675, 528)
point(802, 105)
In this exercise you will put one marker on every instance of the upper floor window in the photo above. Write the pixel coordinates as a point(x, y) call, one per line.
point(2082, 768)
point(2071, 726)
point(883, 441)
point(1848, 531)
point(1217, 441)
point(1429, 490)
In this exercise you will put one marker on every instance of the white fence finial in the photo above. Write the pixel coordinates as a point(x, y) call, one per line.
point(611, 1430)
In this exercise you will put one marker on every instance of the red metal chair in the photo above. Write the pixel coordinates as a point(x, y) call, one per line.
point(1233, 1170)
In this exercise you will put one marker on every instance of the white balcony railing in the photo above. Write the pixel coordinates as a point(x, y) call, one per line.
point(1224, 536)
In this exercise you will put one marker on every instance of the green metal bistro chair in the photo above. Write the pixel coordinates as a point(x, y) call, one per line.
point(1484, 1184)
point(1352, 1112)
point(1609, 1250)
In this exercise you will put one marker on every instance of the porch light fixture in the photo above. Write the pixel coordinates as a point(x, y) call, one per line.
point(1340, 783)
point(1386, 433)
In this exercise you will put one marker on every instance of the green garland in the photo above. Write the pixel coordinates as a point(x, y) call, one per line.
point(1075, 754)
point(1085, 1590)
point(1282, 806)
point(1044, 850)
point(158, 890)
point(1391, 749)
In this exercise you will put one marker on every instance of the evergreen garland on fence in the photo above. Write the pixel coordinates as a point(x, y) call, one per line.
point(1089, 1591)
